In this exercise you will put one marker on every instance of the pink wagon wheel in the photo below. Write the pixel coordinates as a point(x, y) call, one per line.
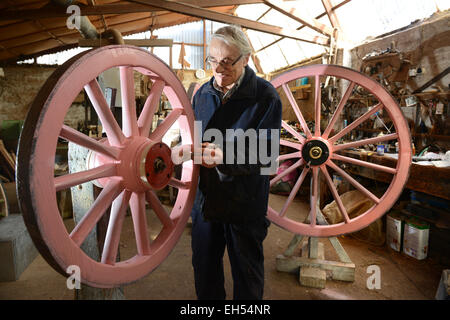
point(131, 164)
point(318, 150)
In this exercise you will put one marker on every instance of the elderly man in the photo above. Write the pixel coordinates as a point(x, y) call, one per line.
point(231, 201)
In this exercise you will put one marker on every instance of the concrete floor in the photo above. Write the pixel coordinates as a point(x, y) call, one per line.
point(402, 277)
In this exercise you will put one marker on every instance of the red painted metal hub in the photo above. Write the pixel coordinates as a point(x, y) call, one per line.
point(158, 166)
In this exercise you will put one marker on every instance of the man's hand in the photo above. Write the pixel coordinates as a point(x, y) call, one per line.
point(209, 155)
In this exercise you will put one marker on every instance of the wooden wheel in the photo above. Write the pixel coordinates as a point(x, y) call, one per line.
point(131, 163)
point(318, 149)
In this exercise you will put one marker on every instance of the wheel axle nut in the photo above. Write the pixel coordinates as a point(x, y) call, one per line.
point(315, 152)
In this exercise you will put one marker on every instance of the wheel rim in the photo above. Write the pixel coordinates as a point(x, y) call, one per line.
point(117, 165)
point(316, 150)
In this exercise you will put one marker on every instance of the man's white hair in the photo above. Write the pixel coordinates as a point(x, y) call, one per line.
point(233, 35)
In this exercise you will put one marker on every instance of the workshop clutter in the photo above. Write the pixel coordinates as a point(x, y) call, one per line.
point(407, 234)
point(356, 203)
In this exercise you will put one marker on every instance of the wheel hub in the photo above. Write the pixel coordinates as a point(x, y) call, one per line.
point(315, 152)
point(158, 165)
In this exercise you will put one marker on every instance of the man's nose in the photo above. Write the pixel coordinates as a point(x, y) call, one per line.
point(219, 68)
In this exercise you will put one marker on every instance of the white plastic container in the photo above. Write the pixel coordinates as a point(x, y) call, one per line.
point(395, 223)
point(415, 238)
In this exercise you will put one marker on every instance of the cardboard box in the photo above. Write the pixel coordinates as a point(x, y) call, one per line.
point(415, 238)
point(395, 223)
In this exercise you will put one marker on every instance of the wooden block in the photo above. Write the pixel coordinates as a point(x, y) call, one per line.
point(17, 250)
point(313, 277)
point(339, 270)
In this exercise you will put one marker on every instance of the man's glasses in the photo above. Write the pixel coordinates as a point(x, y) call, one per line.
point(225, 63)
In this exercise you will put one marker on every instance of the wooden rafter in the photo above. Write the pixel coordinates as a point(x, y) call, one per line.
point(105, 25)
point(293, 13)
point(133, 42)
point(52, 11)
point(331, 14)
point(195, 11)
point(51, 34)
point(303, 26)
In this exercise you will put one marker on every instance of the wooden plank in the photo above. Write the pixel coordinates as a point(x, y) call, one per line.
point(10, 161)
point(133, 42)
point(293, 245)
point(293, 13)
point(229, 19)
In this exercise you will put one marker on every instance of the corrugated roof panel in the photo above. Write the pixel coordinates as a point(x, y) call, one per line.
point(371, 18)
point(251, 11)
point(260, 39)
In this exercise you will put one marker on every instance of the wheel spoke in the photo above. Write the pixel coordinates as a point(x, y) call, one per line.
point(160, 211)
point(109, 123)
point(294, 191)
point(317, 105)
point(179, 184)
point(314, 196)
point(112, 189)
point(146, 117)
point(287, 156)
point(137, 205)
point(161, 130)
point(83, 140)
point(112, 239)
point(364, 163)
point(336, 196)
point(356, 123)
point(129, 119)
point(73, 179)
point(297, 111)
point(291, 144)
point(386, 137)
point(355, 183)
point(287, 171)
point(292, 131)
point(338, 111)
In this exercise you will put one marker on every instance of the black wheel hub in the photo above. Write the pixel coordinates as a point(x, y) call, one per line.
point(315, 152)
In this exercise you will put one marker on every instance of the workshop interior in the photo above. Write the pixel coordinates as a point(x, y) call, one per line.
point(96, 99)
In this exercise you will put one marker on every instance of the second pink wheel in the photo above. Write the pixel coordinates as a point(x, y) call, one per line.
point(317, 149)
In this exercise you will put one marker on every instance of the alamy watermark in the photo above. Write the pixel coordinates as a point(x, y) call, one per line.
point(74, 20)
point(242, 147)
point(74, 280)
point(374, 281)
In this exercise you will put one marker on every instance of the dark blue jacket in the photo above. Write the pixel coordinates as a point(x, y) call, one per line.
point(232, 192)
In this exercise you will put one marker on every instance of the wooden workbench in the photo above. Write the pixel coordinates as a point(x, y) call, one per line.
point(427, 179)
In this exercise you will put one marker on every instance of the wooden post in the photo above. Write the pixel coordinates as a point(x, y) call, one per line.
point(312, 265)
point(83, 197)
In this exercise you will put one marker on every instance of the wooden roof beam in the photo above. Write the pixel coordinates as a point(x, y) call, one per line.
point(302, 26)
point(195, 11)
point(293, 13)
point(331, 14)
point(52, 11)
point(133, 42)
